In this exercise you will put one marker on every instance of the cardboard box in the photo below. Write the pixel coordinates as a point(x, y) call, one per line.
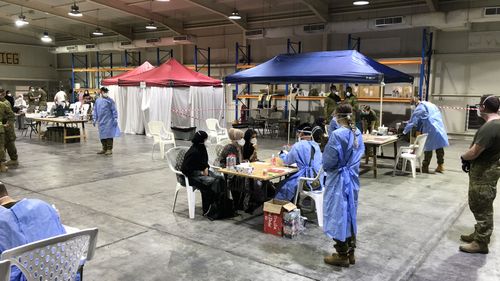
point(273, 215)
point(292, 223)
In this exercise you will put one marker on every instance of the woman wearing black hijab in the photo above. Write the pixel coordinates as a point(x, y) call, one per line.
point(249, 148)
point(212, 187)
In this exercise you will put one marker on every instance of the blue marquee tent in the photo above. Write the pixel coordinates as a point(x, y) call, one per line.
point(320, 67)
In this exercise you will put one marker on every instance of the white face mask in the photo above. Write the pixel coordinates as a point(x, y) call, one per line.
point(478, 112)
point(207, 142)
point(412, 107)
point(348, 94)
point(105, 95)
point(241, 142)
point(253, 141)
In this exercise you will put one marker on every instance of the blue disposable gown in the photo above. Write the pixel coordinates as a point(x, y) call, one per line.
point(341, 161)
point(300, 154)
point(106, 116)
point(428, 120)
point(29, 220)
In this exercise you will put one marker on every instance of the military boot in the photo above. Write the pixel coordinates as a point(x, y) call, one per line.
point(474, 248)
point(440, 168)
point(425, 169)
point(335, 259)
point(12, 163)
point(467, 238)
point(3, 168)
point(352, 258)
point(108, 152)
point(103, 151)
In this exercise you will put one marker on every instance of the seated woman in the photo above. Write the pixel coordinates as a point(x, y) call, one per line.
point(195, 166)
point(250, 147)
point(234, 183)
point(307, 155)
point(255, 195)
point(318, 132)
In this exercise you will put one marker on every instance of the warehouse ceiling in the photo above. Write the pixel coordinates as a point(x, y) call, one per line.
point(127, 19)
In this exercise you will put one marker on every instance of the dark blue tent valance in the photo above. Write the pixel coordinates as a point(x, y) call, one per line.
point(320, 67)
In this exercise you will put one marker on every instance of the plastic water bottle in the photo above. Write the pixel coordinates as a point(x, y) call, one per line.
point(273, 160)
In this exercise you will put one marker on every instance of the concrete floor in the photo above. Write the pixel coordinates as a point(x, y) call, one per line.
point(408, 228)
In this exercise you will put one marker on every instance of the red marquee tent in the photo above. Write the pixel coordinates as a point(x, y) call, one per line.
point(170, 74)
point(114, 80)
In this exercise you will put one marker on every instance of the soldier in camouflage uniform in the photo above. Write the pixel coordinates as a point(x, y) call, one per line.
point(351, 99)
point(43, 100)
point(331, 103)
point(482, 163)
point(33, 99)
point(8, 122)
point(8, 118)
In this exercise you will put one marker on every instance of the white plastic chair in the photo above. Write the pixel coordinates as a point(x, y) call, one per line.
point(316, 195)
point(85, 109)
point(4, 270)
point(413, 153)
point(50, 105)
point(55, 258)
point(161, 137)
point(175, 156)
point(215, 131)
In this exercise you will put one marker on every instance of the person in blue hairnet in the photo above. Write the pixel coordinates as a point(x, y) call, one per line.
point(427, 119)
point(106, 116)
point(341, 159)
point(306, 153)
point(23, 222)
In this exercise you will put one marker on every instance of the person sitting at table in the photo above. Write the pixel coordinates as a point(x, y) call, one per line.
point(195, 166)
point(25, 221)
point(318, 132)
point(249, 152)
point(234, 183)
point(306, 153)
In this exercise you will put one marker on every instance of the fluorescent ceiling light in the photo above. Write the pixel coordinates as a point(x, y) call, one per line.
point(234, 15)
point(21, 21)
point(97, 32)
point(151, 26)
point(46, 38)
point(360, 3)
point(75, 11)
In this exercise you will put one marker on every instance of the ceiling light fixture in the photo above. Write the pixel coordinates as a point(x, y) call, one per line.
point(97, 32)
point(46, 38)
point(75, 11)
point(360, 3)
point(21, 21)
point(151, 26)
point(163, 0)
point(235, 15)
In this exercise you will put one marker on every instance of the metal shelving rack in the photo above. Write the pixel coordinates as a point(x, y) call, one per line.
point(203, 53)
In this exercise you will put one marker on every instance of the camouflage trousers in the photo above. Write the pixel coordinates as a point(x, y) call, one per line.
point(483, 179)
point(10, 143)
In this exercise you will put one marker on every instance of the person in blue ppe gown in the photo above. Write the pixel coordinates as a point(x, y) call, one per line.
point(106, 116)
point(306, 153)
point(23, 222)
point(341, 159)
point(426, 118)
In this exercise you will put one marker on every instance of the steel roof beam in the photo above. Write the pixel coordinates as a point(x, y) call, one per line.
point(63, 13)
point(433, 5)
point(174, 25)
point(319, 8)
point(222, 10)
